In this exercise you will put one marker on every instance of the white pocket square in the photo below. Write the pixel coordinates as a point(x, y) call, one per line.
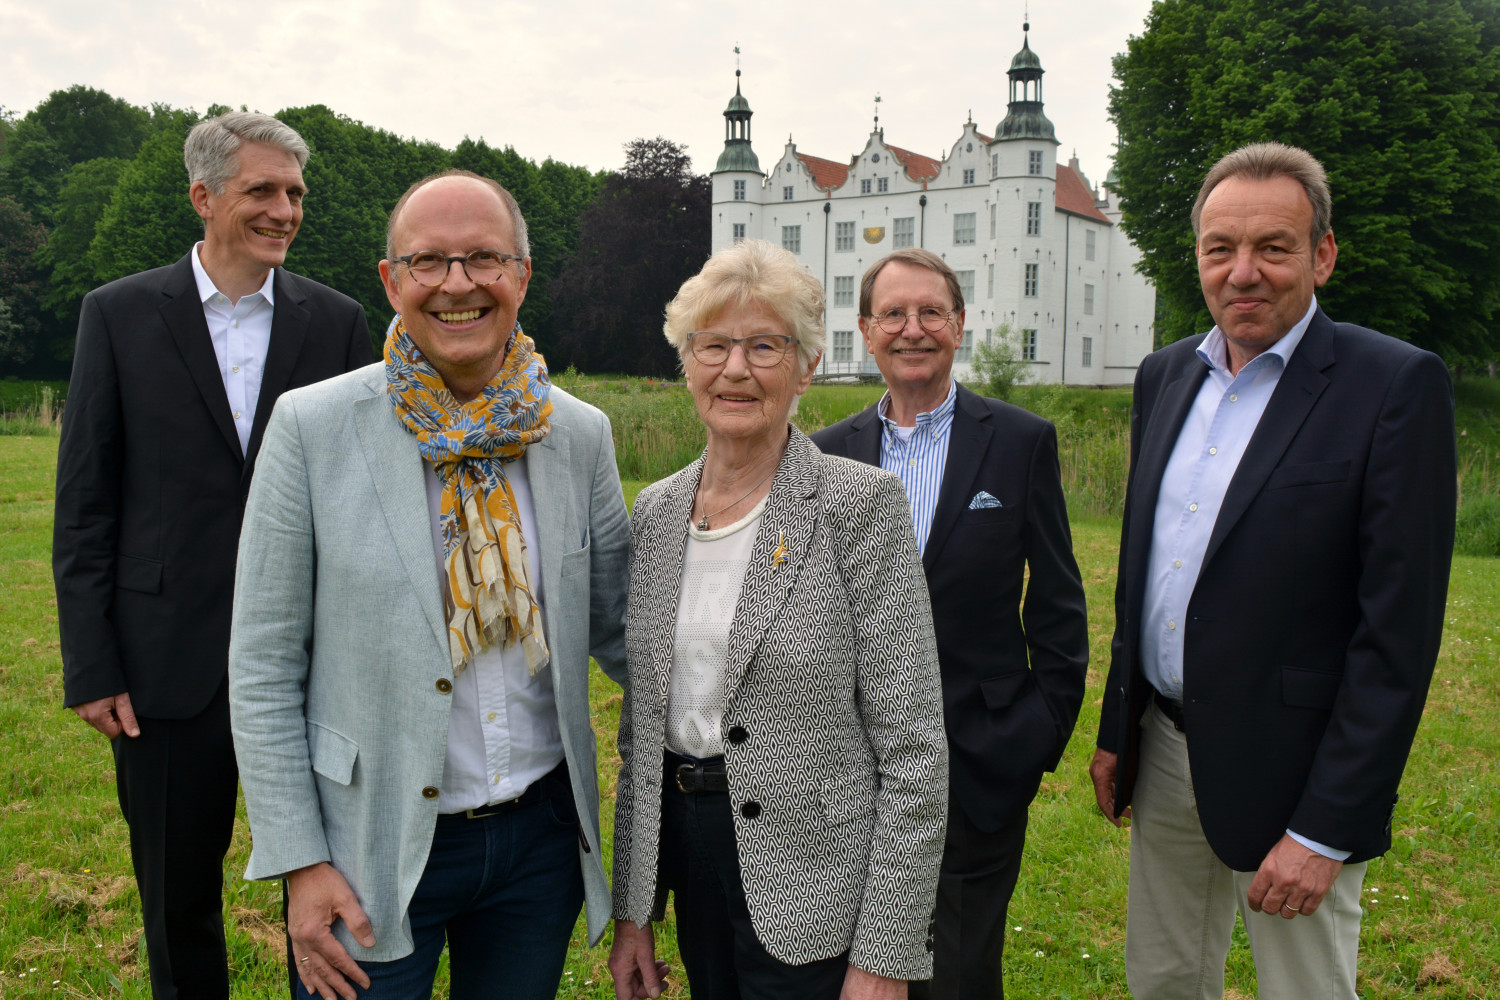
point(982, 499)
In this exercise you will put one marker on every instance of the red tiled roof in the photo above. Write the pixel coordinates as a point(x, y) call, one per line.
point(1073, 196)
point(918, 167)
point(825, 173)
point(984, 138)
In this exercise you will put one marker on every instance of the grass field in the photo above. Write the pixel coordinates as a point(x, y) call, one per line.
point(69, 911)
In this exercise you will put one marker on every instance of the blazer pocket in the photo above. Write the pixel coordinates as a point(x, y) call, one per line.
point(574, 562)
point(844, 797)
point(1002, 691)
point(1308, 474)
point(141, 575)
point(1301, 688)
point(986, 515)
point(332, 753)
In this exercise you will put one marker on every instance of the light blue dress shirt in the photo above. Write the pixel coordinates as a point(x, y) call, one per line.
point(1208, 451)
point(918, 455)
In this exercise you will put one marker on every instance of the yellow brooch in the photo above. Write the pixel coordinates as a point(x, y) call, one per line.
point(779, 556)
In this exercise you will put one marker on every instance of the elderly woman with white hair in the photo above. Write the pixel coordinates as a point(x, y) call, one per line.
point(784, 768)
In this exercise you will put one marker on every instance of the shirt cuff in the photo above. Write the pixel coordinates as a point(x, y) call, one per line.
point(1323, 849)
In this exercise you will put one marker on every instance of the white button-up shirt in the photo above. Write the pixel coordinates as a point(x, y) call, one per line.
point(241, 335)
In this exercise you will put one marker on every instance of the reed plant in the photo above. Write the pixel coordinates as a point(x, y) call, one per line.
point(30, 408)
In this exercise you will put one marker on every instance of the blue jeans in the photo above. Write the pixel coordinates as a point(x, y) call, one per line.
point(504, 891)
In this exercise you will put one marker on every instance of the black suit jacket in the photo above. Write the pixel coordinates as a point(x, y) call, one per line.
point(1013, 665)
point(1313, 628)
point(151, 481)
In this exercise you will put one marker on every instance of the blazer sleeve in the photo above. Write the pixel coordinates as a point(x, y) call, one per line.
point(269, 650)
point(1406, 545)
point(1054, 614)
point(87, 514)
point(359, 353)
point(899, 695)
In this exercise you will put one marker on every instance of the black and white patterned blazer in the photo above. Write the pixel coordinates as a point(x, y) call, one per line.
point(839, 778)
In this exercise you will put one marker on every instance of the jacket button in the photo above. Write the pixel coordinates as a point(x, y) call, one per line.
point(430, 792)
point(737, 735)
point(444, 685)
point(750, 809)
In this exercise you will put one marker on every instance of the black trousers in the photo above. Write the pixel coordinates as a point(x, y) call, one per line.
point(974, 889)
point(720, 952)
point(177, 783)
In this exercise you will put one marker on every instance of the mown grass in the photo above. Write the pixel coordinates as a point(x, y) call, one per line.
point(69, 909)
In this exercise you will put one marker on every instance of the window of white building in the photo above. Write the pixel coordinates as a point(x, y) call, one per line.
point(791, 238)
point(1032, 273)
point(965, 350)
point(969, 176)
point(1088, 300)
point(990, 285)
point(786, 193)
point(739, 231)
point(966, 285)
point(992, 222)
point(1088, 352)
point(1034, 163)
point(1088, 244)
point(1033, 218)
point(864, 186)
point(1028, 345)
point(902, 231)
point(963, 229)
point(843, 236)
point(883, 184)
point(843, 291)
point(739, 190)
point(994, 164)
point(843, 345)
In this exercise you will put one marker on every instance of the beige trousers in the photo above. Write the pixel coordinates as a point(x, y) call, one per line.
point(1183, 900)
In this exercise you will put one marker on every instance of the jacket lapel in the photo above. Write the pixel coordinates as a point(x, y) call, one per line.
point(289, 322)
point(547, 470)
point(968, 440)
point(183, 315)
point(659, 543)
point(399, 474)
point(863, 442)
point(1296, 391)
point(780, 550)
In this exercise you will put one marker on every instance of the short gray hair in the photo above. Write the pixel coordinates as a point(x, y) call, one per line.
point(751, 272)
point(517, 220)
point(1264, 161)
point(212, 151)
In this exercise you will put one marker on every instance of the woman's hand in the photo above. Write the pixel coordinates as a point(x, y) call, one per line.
point(637, 972)
point(862, 985)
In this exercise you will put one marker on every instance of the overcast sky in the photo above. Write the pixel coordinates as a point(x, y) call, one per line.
point(575, 80)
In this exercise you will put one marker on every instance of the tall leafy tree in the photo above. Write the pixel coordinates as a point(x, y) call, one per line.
point(22, 285)
point(645, 233)
point(1399, 100)
point(149, 221)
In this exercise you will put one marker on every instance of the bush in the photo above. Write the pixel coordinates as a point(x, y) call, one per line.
point(997, 365)
point(1478, 530)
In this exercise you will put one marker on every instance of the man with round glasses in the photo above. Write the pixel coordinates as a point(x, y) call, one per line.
point(987, 506)
point(432, 550)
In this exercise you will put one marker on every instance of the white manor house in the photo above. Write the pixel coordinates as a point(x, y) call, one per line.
point(1036, 248)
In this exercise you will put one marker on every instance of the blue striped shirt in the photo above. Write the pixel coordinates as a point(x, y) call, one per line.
point(918, 455)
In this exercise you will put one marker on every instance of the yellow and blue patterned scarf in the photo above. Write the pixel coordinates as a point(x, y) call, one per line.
point(490, 599)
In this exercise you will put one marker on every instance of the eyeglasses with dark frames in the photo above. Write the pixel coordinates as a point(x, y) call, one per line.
point(430, 268)
point(930, 318)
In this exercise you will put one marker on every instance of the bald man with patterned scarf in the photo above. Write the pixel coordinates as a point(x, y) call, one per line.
point(433, 547)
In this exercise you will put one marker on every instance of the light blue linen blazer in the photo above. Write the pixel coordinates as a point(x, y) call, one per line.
point(339, 640)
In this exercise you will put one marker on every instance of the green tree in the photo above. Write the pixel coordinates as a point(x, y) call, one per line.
point(149, 221)
point(66, 257)
point(22, 283)
point(1400, 102)
point(997, 364)
point(643, 235)
point(69, 127)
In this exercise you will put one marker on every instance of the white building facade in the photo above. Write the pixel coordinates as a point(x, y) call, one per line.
point(1036, 249)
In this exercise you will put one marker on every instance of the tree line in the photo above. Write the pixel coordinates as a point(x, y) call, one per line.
point(1399, 99)
point(93, 188)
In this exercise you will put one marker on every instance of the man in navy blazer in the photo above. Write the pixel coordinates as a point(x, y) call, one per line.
point(988, 510)
point(174, 377)
point(1283, 571)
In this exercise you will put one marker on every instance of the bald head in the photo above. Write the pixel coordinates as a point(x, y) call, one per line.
point(522, 242)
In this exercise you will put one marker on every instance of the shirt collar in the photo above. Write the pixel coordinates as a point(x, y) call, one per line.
point(207, 289)
point(936, 418)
